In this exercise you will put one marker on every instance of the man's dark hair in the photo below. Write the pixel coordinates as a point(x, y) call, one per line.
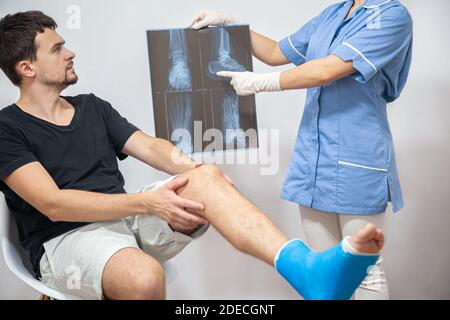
point(17, 39)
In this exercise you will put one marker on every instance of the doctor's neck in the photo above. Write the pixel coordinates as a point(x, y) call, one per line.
point(357, 3)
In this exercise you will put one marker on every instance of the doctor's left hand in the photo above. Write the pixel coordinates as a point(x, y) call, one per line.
point(247, 83)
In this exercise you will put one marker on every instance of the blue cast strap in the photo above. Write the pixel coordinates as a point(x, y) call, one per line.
point(329, 275)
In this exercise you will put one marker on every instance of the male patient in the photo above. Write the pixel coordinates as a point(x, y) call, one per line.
point(59, 173)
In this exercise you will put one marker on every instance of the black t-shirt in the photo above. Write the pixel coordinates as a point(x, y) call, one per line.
point(81, 156)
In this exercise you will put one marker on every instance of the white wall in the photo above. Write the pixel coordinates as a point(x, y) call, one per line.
point(112, 62)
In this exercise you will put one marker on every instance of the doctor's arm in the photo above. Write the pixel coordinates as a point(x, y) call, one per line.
point(310, 74)
point(316, 73)
point(267, 50)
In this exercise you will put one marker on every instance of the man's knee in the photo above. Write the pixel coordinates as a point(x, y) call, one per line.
point(131, 274)
point(210, 170)
point(149, 285)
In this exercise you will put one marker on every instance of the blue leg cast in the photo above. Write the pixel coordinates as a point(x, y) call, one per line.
point(329, 275)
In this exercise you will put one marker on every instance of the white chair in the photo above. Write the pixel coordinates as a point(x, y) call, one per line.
point(17, 261)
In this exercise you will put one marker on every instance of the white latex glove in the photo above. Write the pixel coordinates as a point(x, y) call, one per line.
point(211, 18)
point(248, 83)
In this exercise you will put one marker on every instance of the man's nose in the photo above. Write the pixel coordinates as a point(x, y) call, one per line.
point(70, 54)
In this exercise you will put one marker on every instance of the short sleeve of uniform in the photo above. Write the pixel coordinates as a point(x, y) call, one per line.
point(118, 127)
point(295, 46)
point(14, 152)
point(377, 43)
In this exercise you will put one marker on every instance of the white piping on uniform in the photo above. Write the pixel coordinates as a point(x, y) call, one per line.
point(376, 5)
point(360, 166)
point(360, 53)
point(295, 49)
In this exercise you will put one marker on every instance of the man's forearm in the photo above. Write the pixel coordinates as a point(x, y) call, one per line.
point(84, 206)
point(166, 157)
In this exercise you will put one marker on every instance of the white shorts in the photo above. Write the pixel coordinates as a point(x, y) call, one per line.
point(74, 261)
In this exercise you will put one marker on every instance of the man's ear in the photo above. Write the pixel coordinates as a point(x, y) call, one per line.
point(25, 69)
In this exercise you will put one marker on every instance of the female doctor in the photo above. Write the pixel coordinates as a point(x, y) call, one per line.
point(353, 58)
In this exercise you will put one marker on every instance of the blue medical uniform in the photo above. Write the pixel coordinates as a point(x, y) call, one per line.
point(344, 159)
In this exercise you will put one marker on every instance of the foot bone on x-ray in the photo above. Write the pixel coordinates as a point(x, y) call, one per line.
point(224, 62)
point(231, 123)
point(180, 104)
point(180, 121)
point(179, 72)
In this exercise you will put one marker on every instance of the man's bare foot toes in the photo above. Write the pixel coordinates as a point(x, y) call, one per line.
point(368, 240)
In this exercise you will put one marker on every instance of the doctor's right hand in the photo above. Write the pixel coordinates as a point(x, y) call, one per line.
point(211, 18)
point(166, 204)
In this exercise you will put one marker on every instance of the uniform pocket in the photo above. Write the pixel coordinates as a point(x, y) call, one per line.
point(361, 186)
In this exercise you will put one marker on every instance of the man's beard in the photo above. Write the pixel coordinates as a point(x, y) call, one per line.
point(69, 81)
point(61, 84)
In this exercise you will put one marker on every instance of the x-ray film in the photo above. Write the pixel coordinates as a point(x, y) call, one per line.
point(193, 107)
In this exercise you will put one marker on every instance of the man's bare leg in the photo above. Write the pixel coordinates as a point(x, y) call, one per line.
point(332, 274)
point(239, 221)
point(245, 226)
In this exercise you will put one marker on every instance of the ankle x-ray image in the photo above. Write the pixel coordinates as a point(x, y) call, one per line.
point(179, 61)
point(220, 57)
point(186, 88)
